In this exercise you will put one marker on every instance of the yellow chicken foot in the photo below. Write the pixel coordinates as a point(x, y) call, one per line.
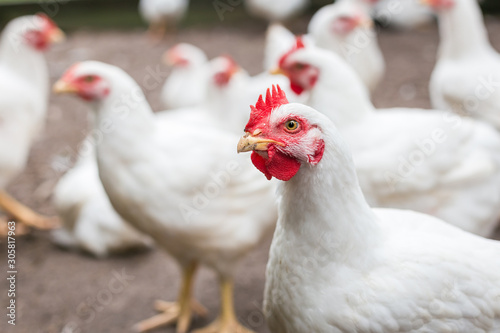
point(227, 321)
point(180, 311)
point(25, 215)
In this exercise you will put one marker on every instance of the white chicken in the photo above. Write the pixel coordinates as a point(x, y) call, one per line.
point(277, 10)
point(24, 82)
point(434, 162)
point(402, 14)
point(89, 221)
point(162, 15)
point(336, 265)
point(184, 185)
point(345, 28)
point(231, 89)
point(186, 84)
point(465, 78)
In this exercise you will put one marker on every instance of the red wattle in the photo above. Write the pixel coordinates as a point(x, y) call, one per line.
point(260, 164)
point(278, 165)
point(296, 88)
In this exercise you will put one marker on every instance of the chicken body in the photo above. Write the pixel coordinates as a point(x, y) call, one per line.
point(187, 83)
point(465, 78)
point(276, 11)
point(336, 265)
point(182, 184)
point(89, 221)
point(24, 83)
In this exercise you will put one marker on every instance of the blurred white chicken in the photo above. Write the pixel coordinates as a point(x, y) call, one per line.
point(187, 82)
point(403, 14)
point(231, 89)
point(336, 265)
point(24, 82)
point(162, 15)
point(434, 162)
point(277, 10)
point(467, 74)
point(346, 28)
point(184, 185)
point(89, 221)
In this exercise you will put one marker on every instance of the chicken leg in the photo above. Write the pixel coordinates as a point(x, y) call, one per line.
point(227, 321)
point(24, 214)
point(180, 311)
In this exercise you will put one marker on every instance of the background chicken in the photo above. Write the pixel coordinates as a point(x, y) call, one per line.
point(187, 82)
point(465, 79)
point(183, 185)
point(276, 11)
point(454, 174)
point(89, 221)
point(162, 15)
point(24, 84)
point(345, 28)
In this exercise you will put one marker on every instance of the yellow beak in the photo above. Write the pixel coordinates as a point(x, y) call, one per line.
point(251, 143)
point(277, 71)
point(366, 23)
point(57, 36)
point(61, 87)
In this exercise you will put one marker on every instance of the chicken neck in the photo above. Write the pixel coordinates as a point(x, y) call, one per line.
point(462, 31)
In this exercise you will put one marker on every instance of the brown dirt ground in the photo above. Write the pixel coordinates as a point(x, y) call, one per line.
point(58, 289)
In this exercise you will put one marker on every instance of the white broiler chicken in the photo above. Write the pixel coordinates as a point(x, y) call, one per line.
point(186, 84)
point(346, 29)
point(401, 14)
point(434, 162)
point(162, 15)
point(465, 78)
point(336, 265)
point(231, 89)
point(277, 10)
point(24, 83)
point(89, 221)
point(184, 185)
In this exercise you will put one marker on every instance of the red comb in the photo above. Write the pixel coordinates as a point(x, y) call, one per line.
point(262, 110)
point(299, 44)
point(47, 21)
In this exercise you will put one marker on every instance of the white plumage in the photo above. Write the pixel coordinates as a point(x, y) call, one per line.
point(231, 90)
point(430, 161)
point(187, 82)
point(276, 11)
point(89, 221)
point(161, 14)
point(404, 14)
point(345, 28)
point(24, 84)
point(467, 74)
point(336, 265)
point(182, 184)
point(23, 73)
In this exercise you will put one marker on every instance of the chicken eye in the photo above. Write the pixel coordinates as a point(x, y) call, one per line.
point(291, 125)
point(298, 66)
point(89, 79)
